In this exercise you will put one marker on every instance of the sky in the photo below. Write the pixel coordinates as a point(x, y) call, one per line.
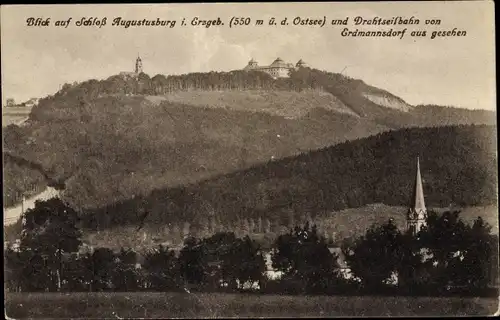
point(456, 71)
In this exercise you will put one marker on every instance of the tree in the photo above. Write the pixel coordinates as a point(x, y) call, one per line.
point(25, 270)
point(259, 225)
point(13, 270)
point(100, 268)
point(219, 257)
point(191, 263)
point(51, 231)
point(204, 227)
point(212, 225)
point(374, 257)
point(267, 226)
point(144, 84)
point(462, 255)
point(413, 269)
point(480, 259)
point(251, 226)
point(159, 84)
point(125, 276)
point(246, 257)
point(245, 226)
point(446, 237)
point(221, 260)
point(166, 231)
point(186, 229)
point(303, 257)
point(175, 234)
point(76, 277)
point(291, 219)
point(162, 269)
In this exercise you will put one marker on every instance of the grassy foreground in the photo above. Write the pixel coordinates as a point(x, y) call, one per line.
point(212, 305)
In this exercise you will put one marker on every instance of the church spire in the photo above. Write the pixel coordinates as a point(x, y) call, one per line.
point(418, 191)
point(417, 213)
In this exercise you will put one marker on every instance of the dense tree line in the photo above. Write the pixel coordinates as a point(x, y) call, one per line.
point(50, 257)
point(351, 92)
point(446, 254)
point(347, 89)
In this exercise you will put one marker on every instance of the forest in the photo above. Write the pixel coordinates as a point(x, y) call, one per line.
point(105, 141)
point(458, 167)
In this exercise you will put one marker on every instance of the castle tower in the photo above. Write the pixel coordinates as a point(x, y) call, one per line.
point(138, 65)
point(252, 64)
point(417, 213)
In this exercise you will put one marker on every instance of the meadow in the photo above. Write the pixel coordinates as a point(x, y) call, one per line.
point(214, 305)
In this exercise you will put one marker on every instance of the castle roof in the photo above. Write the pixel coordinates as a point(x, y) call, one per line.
point(301, 63)
point(278, 63)
point(418, 202)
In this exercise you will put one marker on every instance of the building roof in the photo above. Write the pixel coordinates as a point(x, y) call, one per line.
point(301, 63)
point(279, 63)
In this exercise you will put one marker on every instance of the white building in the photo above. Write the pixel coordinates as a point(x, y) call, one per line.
point(277, 69)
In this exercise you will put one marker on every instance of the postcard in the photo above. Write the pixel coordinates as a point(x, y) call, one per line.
point(249, 160)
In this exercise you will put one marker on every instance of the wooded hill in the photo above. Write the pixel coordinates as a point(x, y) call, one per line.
point(122, 137)
point(458, 166)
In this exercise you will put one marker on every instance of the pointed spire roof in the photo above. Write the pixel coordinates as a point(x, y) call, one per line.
point(418, 202)
point(279, 63)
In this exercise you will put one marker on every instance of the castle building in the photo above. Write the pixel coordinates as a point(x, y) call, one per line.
point(417, 213)
point(137, 69)
point(277, 69)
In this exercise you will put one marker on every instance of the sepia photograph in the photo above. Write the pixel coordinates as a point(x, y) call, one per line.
point(249, 160)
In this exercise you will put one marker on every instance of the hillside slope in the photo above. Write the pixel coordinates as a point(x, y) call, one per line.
point(121, 137)
point(458, 167)
point(129, 145)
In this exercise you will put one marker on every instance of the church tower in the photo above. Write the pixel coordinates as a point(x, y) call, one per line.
point(417, 213)
point(138, 65)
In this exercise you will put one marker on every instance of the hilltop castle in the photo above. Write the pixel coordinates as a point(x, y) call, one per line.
point(277, 69)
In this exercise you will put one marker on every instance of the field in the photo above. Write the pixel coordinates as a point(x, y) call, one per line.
point(287, 104)
point(210, 305)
